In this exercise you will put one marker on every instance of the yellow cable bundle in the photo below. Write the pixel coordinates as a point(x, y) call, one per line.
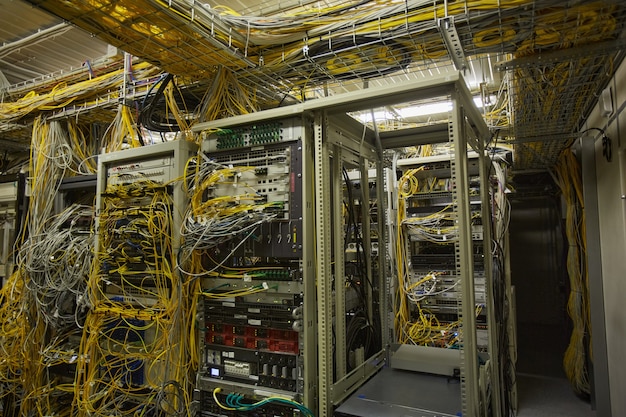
point(129, 128)
point(14, 328)
point(83, 148)
point(140, 352)
point(575, 360)
point(401, 307)
point(408, 185)
point(172, 105)
point(226, 97)
point(63, 95)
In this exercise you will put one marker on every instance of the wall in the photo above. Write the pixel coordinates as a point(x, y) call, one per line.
point(611, 186)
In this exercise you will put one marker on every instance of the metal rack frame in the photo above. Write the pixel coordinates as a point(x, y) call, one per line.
point(338, 138)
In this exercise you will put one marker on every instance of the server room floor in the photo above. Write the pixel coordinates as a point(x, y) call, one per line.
point(541, 396)
point(398, 393)
point(408, 394)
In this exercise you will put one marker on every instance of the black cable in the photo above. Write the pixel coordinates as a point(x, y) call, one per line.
point(374, 328)
point(607, 144)
point(592, 128)
point(170, 402)
point(501, 307)
point(145, 98)
point(351, 225)
point(149, 116)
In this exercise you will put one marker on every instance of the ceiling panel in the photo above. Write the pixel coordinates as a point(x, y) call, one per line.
point(35, 44)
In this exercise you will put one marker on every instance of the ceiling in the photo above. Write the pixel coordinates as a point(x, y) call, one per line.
point(35, 44)
point(542, 61)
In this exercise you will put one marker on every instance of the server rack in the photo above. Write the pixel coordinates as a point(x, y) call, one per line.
point(339, 141)
point(135, 349)
point(459, 264)
point(257, 332)
point(340, 144)
point(432, 325)
point(254, 280)
point(322, 283)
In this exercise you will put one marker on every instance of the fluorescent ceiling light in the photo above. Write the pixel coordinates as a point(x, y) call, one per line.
point(425, 109)
point(438, 107)
point(419, 110)
point(478, 101)
point(366, 117)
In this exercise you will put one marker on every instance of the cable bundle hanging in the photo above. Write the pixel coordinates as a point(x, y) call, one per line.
point(135, 334)
point(53, 258)
point(57, 261)
point(15, 328)
point(216, 219)
point(161, 112)
point(502, 295)
point(225, 97)
point(569, 180)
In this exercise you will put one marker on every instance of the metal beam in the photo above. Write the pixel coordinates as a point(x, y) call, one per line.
point(440, 86)
point(324, 274)
point(463, 98)
point(348, 134)
point(336, 208)
point(39, 36)
point(309, 349)
point(415, 136)
point(464, 263)
point(345, 386)
point(452, 42)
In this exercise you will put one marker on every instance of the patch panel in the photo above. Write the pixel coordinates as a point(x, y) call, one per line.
point(427, 257)
point(139, 296)
point(255, 339)
point(238, 369)
point(160, 169)
point(262, 133)
point(261, 316)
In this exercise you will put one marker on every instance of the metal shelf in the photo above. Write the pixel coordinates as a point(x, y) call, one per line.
point(396, 393)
